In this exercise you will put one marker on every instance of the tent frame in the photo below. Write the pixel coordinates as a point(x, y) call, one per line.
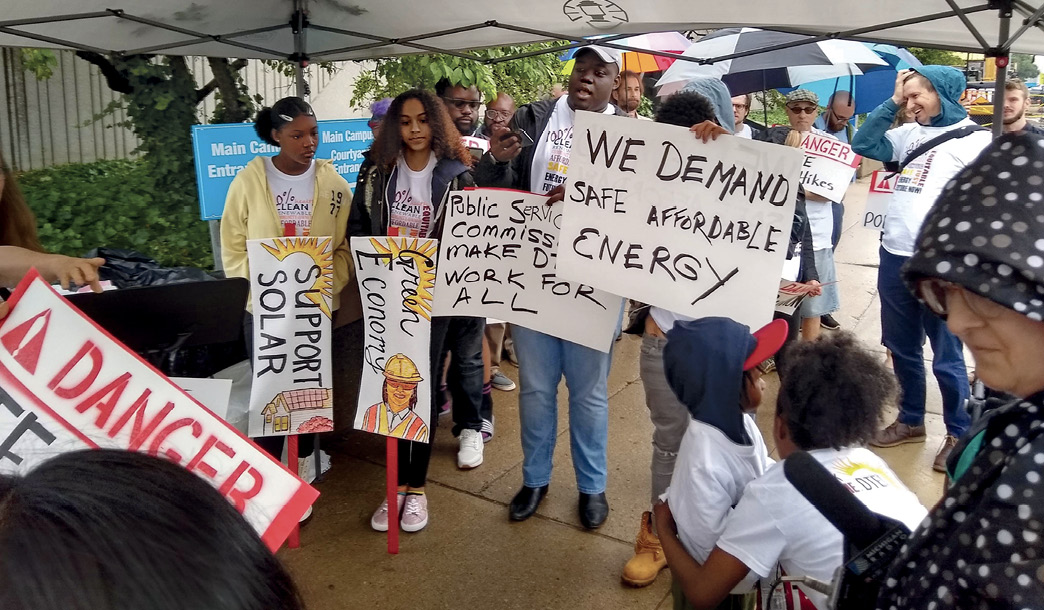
point(1033, 16)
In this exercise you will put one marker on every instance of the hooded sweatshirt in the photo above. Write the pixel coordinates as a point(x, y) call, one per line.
point(719, 96)
point(923, 179)
point(722, 449)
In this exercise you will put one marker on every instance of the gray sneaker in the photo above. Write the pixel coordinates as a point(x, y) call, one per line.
point(501, 382)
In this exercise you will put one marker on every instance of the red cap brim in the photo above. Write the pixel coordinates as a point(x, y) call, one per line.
point(770, 338)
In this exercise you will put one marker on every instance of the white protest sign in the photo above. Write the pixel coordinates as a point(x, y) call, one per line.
point(291, 288)
point(214, 394)
point(882, 185)
point(828, 166)
point(790, 296)
point(66, 384)
point(700, 229)
point(396, 279)
point(498, 261)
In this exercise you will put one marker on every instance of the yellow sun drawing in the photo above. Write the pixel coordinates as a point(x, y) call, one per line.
point(318, 249)
point(850, 468)
point(423, 255)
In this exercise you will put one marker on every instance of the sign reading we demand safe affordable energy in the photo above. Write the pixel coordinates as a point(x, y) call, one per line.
point(222, 150)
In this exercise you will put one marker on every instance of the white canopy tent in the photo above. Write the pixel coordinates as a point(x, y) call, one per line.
point(302, 30)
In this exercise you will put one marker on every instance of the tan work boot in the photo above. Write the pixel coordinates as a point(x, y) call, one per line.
point(939, 465)
point(648, 560)
point(899, 433)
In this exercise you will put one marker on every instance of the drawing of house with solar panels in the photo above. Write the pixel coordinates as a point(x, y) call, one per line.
point(301, 411)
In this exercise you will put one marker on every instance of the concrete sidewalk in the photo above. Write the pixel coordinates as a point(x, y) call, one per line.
point(471, 556)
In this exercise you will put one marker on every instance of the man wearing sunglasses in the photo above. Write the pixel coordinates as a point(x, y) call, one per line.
point(462, 103)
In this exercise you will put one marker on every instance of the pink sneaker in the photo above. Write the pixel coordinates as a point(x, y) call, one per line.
point(379, 521)
point(415, 513)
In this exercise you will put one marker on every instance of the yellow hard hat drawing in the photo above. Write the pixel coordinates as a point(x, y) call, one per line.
point(401, 368)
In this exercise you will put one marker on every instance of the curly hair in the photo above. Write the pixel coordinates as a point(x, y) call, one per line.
point(833, 393)
point(445, 139)
point(685, 108)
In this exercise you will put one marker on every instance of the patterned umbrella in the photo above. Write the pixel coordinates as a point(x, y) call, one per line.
point(770, 70)
point(670, 42)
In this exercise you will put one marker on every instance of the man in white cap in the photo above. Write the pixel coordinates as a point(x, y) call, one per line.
point(533, 155)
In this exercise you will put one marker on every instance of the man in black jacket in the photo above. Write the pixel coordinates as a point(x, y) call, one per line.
point(533, 155)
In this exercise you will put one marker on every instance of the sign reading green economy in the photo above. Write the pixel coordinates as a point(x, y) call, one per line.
point(222, 150)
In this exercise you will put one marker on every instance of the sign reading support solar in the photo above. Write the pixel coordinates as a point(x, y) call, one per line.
point(222, 150)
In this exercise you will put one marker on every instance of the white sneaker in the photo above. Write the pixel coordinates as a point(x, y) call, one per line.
point(470, 453)
point(306, 466)
point(414, 513)
point(306, 516)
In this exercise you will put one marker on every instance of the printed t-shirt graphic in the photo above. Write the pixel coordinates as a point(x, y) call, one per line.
point(294, 198)
point(412, 210)
point(551, 158)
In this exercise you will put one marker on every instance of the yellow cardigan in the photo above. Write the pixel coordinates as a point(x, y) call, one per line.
point(250, 213)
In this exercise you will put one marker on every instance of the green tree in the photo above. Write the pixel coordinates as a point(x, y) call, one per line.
point(1024, 66)
point(524, 79)
point(937, 57)
point(41, 62)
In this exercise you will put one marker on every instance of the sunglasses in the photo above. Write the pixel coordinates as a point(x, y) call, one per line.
point(499, 115)
point(460, 104)
point(936, 294)
point(800, 109)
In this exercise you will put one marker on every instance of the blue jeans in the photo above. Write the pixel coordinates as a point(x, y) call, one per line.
point(542, 360)
point(904, 324)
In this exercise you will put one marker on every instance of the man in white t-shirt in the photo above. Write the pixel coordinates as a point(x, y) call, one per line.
point(773, 524)
point(931, 95)
point(533, 155)
point(740, 110)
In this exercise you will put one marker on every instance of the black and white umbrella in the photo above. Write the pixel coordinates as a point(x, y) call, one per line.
point(781, 67)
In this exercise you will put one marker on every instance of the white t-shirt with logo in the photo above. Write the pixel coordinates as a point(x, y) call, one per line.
point(709, 477)
point(821, 213)
point(294, 198)
point(412, 212)
point(922, 181)
point(773, 523)
point(551, 156)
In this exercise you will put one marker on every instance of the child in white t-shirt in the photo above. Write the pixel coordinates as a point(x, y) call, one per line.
point(712, 365)
point(832, 397)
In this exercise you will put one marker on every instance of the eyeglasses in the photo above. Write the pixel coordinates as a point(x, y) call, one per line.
point(739, 106)
point(800, 109)
point(936, 294)
point(499, 115)
point(460, 104)
point(841, 117)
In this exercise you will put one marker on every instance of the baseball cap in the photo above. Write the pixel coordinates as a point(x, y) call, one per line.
point(802, 95)
point(770, 338)
point(609, 56)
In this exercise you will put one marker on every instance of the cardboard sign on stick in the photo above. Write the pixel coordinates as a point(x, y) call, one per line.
point(66, 384)
point(291, 287)
point(498, 261)
point(882, 185)
point(828, 166)
point(699, 229)
point(396, 280)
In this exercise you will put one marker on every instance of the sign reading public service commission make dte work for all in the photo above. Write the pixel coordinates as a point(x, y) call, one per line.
point(222, 150)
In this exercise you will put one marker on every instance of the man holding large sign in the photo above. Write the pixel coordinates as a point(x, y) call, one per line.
point(541, 168)
point(697, 228)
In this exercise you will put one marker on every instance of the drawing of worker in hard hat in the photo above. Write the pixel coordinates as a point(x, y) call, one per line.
point(395, 415)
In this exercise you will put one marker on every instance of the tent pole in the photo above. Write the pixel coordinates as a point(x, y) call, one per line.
point(1001, 57)
point(299, 25)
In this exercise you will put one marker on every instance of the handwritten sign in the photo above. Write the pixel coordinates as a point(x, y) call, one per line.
point(498, 261)
point(828, 166)
point(654, 214)
point(291, 287)
point(882, 185)
point(66, 384)
point(396, 281)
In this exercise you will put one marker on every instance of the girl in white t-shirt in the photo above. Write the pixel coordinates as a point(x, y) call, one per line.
point(832, 397)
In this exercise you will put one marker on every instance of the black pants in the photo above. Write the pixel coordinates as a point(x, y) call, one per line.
point(273, 445)
point(464, 339)
point(415, 457)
